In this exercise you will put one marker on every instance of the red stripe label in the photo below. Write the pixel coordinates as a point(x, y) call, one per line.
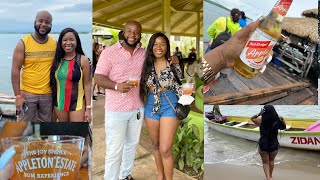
point(258, 44)
point(282, 7)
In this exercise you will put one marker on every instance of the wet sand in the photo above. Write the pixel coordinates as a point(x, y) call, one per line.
point(228, 157)
point(288, 171)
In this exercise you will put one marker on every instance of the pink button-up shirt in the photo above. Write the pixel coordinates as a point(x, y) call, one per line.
point(119, 65)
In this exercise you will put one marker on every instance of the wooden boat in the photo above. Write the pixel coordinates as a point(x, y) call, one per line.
point(294, 136)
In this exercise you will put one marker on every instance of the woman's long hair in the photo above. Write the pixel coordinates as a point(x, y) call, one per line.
point(59, 55)
point(269, 117)
point(148, 65)
point(269, 125)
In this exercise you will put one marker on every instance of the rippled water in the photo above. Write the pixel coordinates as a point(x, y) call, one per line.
point(292, 111)
point(223, 148)
point(7, 44)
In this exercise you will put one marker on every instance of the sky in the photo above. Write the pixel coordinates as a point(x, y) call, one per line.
point(253, 8)
point(19, 15)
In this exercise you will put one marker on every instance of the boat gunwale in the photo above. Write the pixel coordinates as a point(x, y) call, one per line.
point(282, 132)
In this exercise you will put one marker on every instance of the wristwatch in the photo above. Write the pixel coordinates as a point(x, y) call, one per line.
point(116, 86)
point(208, 73)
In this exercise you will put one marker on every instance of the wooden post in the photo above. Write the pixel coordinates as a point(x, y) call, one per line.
point(198, 36)
point(166, 26)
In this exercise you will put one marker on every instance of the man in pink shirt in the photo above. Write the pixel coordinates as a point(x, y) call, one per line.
point(124, 109)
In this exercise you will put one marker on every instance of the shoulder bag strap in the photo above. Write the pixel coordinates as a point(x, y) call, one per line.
point(158, 84)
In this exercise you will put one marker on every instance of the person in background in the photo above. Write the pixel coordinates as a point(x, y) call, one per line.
point(161, 81)
point(268, 146)
point(33, 57)
point(70, 79)
point(94, 65)
point(120, 36)
point(178, 53)
point(220, 24)
point(243, 19)
point(192, 55)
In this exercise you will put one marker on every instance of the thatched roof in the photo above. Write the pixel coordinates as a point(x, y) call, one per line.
point(303, 27)
point(311, 13)
point(184, 15)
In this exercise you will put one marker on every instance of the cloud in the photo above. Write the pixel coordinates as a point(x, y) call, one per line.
point(13, 4)
point(75, 5)
point(83, 7)
point(18, 15)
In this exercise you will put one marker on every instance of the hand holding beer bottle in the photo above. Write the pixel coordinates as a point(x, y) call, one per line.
point(249, 49)
point(261, 41)
point(224, 56)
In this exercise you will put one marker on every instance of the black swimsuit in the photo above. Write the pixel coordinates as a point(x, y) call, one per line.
point(268, 136)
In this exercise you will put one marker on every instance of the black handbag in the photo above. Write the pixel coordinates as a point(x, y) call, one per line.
point(180, 110)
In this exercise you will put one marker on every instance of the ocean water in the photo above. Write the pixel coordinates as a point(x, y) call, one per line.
point(7, 44)
point(291, 111)
point(214, 9)
point(223, 148)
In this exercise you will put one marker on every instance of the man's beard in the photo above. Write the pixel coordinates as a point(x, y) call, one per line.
point(131, 45)
point(42, 35)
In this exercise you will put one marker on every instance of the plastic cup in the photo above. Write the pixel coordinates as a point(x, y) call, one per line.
point(187, 88)
point(46, 157)
point(135, 81)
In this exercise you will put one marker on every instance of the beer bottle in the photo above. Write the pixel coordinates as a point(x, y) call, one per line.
point(261, 41)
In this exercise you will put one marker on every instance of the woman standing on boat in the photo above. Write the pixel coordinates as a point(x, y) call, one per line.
point(269, 122)
point(70, 79)
point(160, 83)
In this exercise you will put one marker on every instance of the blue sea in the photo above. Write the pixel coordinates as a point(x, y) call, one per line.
point(287, 111)
point(7, 44)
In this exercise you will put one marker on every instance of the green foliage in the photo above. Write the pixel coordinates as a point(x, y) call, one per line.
point(185, 44)
point(199, 94)
point(188, 147)
point(115, 37)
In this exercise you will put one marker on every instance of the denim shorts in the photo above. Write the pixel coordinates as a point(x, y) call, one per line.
point(165, 108)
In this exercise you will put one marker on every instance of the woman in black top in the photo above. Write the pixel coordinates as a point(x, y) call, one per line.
point(269, 122)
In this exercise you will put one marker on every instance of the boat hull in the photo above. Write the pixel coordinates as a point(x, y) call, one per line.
point(290, 139)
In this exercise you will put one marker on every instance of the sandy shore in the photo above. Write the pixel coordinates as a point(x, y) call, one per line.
point(285, 171)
